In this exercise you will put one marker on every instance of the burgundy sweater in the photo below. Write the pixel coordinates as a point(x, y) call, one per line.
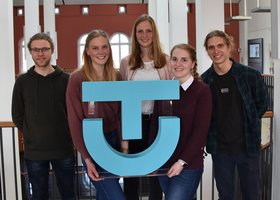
point(194, 110)
point(78, 110)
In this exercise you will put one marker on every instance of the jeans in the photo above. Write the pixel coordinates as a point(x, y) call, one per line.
point(38, 174)
point(248, 167)
point(108, 189)
point(182, 186)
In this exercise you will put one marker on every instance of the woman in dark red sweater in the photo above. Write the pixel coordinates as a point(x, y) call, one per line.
point(98, 66)
point(185, 166)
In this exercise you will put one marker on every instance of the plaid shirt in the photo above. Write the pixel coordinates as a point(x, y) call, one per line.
point(254, 104)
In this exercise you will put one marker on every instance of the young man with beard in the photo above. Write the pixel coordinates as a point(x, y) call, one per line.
point(39, 111)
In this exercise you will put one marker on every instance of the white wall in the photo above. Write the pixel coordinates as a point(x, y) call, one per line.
point(276, 131)
point(207, 20)
point(276, 139)
point(7, 77)
point(262, 27)
point(258, 27)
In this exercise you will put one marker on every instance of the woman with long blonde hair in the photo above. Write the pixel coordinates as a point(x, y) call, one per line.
point(98, 66)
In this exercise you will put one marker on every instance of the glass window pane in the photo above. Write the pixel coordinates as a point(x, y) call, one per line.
point(124, 50)
point(124, 39)
point(83, 39)
point(23, 58)
point(115, 39)
point(24, 66)
point(120, 47)
point(116, 53)
point(80, 61)
point(81, 46)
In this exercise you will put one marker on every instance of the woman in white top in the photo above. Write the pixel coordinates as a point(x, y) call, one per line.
point(145, 62)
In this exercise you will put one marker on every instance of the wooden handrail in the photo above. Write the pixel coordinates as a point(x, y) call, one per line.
point(7, 124)
point(268, 75)
point(266, 145)
point(268, 114)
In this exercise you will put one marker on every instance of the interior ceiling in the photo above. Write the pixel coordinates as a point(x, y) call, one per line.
point(85, 2)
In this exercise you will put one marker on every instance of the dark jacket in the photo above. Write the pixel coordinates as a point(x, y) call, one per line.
point(39, 111)
point(254, 96)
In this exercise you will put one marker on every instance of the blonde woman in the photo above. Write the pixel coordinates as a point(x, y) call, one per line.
point(98, 66)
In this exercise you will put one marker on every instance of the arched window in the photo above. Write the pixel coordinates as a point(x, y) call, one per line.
point(119, 43)
point(22, 58)
point(120, 47)
point(81, 46)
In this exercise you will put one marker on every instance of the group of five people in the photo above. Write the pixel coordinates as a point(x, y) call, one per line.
point(221, 109)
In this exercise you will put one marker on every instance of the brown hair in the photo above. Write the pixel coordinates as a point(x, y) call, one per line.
point(135, 60)
point(41, 36)
point(228, 39)
point(192, 53)
point(87, 68)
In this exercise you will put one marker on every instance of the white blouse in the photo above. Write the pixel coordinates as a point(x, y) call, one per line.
point(147, 72)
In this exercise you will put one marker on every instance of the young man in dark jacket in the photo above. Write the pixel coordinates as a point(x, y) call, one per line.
point(39, 111)
point(239, 102)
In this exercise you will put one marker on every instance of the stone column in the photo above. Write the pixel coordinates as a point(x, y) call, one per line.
point(158, 9)
point(178, 22)
point(11, 188)
point(209, 16)
point(32, 26)
point(49, 24)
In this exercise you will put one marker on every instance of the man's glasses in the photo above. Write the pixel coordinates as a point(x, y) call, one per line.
point(42, 50)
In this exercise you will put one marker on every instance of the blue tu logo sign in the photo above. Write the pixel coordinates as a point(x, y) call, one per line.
point(131, 93)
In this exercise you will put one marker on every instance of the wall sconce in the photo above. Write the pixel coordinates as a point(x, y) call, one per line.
point(56, 10)
point(122, 9)
point(19, 11)
point(260, 8)
point(238, 17)
point(85, 10)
